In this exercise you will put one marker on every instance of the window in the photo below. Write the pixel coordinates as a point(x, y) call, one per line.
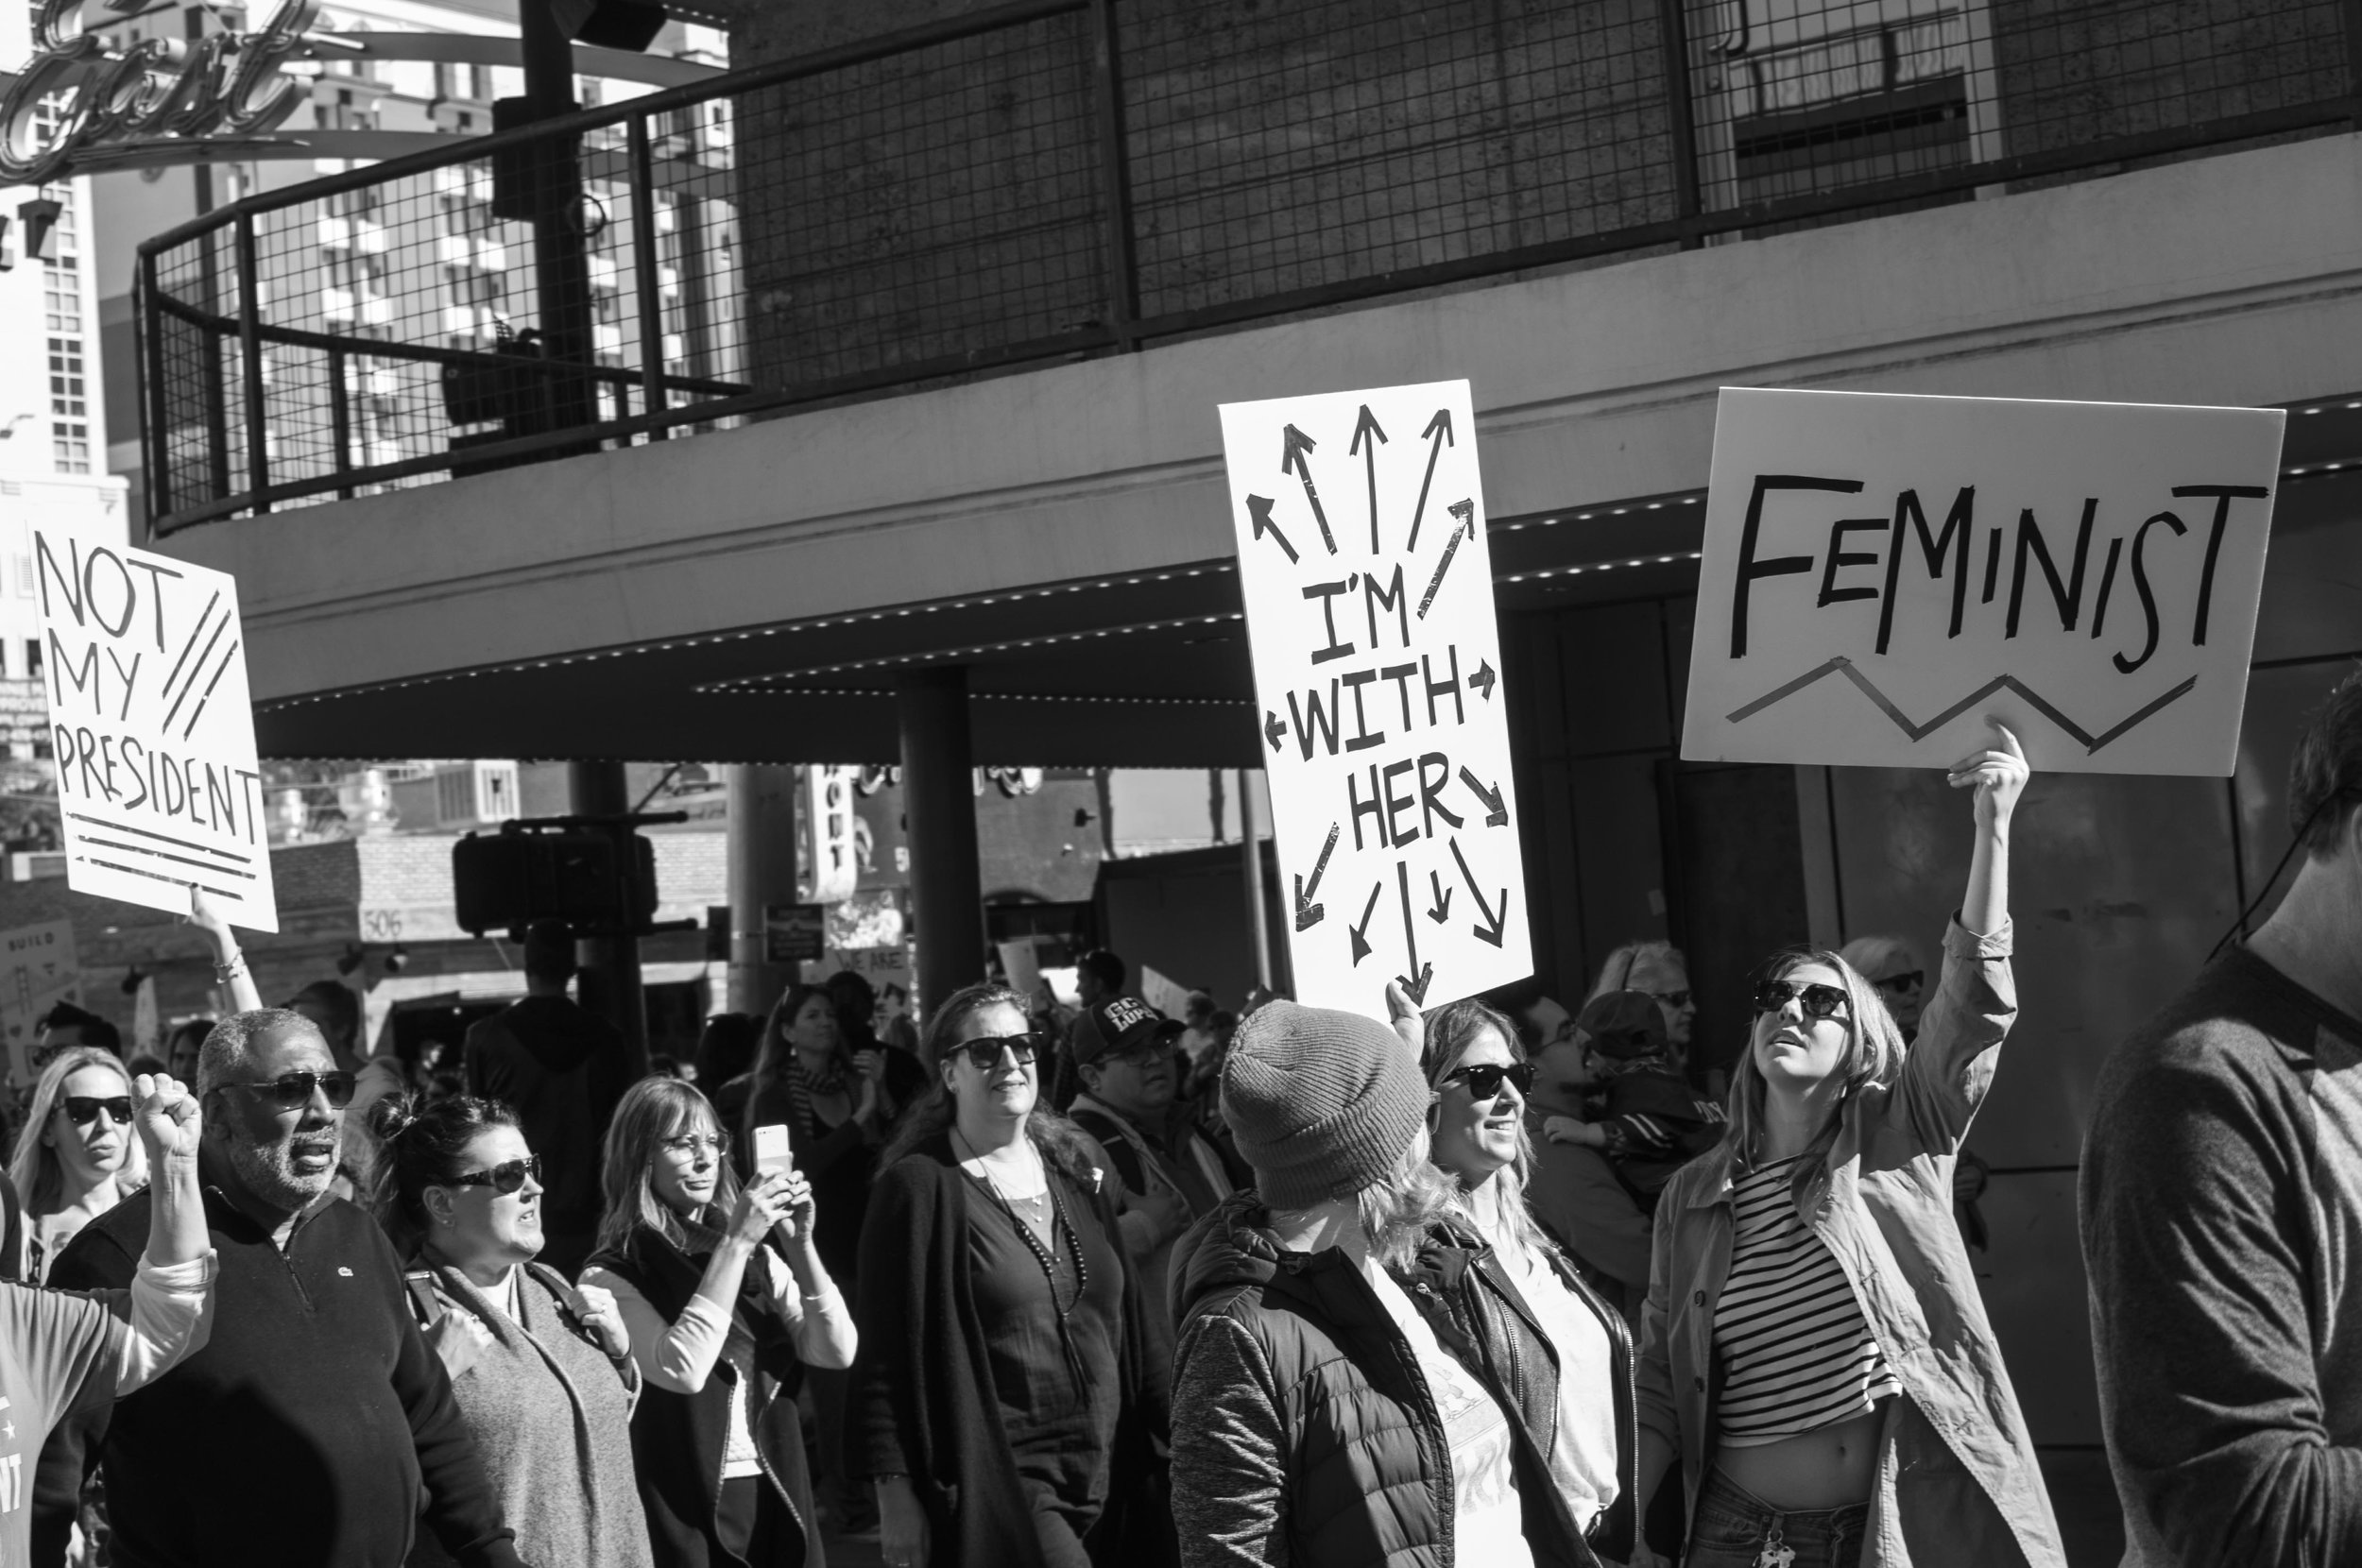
point(32, 658)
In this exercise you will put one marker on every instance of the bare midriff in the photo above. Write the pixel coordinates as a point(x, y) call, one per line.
point(1829, 1468)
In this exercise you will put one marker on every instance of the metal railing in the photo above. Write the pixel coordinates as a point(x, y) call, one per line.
point(1065, 177)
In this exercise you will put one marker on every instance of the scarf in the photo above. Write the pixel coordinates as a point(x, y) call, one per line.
point(802, 1086)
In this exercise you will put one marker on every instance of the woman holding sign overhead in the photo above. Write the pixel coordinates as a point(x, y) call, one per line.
point(1814, 1349)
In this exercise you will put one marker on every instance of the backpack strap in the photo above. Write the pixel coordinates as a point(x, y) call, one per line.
point(425, 1301)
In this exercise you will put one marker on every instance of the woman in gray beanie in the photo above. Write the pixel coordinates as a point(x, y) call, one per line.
point(1328, 1413)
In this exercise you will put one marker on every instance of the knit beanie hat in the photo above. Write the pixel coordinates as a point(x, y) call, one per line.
point(1322, 1103)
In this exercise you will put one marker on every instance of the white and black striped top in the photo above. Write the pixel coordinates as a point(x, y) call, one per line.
point(1797, 1354)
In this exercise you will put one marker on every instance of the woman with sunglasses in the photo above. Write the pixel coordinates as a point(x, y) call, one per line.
point(724, 1300)
point(1002, 1397)
point(541, 1370)
point(1566, 1355)
point(76, 1157)
point(1814, 1348)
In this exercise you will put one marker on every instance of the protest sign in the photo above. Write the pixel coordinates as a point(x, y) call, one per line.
point(38, 970)
point(1368, 584)
point(157, 785)
point(1882, 572)
point(794, 933)
point(1020, 962)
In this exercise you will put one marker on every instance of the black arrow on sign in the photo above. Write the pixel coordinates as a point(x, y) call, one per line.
point(1292, 460)
point(1410, 939)
point(1483, 680)
point(1307, 913)
point(1442, 422)
point(1258, 507)
point(1442, 910)
point(1465, 528)
point(1363, 430)
point(1493, 934)
point(1360, 942)
point(1497, 814)
point(1275, 728)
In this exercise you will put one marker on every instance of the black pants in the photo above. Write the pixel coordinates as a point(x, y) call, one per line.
point(753, 1524)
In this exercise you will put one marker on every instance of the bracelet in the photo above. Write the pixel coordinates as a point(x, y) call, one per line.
point(229, 971)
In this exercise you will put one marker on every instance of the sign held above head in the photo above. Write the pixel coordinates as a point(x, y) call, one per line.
point(1882, 572)
point(158, 785)
point(1368, 584)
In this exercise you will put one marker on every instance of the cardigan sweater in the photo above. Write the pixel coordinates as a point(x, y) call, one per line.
point(315, 1384)
point(549, 1412)
point(924, 1402)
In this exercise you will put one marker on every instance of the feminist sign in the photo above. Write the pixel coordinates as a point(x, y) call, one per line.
point(1383, 728)
point(1882, 572)
point(157, 778)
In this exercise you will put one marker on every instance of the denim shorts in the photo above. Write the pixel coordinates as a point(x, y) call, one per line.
point(1734, 1529)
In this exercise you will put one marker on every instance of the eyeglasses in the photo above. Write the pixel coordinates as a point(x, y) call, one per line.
point(291, 1089)
point(504, 1178)
point(689, 1143)
point(1819, 1001)
point(985, 1054)
point(84, 1109)
point(1900, 983)
point(1674, 999)
point(1484, 1080)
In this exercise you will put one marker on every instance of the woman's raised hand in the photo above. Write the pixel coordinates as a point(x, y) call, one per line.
point(795, 1206)
point(167, 1117)
point(762, 1203)
point(1997, 774)
point(1404, 1015)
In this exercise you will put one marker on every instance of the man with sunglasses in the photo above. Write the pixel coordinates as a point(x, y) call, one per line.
point(316, 1425)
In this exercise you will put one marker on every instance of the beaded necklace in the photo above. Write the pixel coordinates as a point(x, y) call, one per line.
point(1046, 1205)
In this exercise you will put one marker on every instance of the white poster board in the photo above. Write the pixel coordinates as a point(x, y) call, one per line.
point(157, 785)
point(1882, 572)
point(1369, 583)
point(38, 969)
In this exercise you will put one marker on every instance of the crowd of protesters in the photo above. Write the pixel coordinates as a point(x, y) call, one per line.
point(1498, 1285)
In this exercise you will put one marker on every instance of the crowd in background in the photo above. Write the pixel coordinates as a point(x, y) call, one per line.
point(1502, 1283)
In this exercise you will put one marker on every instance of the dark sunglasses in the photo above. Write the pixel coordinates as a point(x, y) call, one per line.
point(504, 1178)
point(1819, 1001)
point(84, 1109)
point(986, 1053)
point(292, 1089)
point(1898, 983)
point(1485, 1080)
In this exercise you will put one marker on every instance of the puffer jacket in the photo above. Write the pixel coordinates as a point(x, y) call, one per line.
point(1300, 1416)
point(1459, 1281)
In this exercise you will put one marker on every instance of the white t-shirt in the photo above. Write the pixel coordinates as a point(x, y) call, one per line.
point(1488, 1523)
point(1584, 1461)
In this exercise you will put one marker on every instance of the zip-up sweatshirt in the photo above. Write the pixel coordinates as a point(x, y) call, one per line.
point(2222, 1205)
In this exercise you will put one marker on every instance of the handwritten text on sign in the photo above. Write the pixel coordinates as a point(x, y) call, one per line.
point(157, 778)
point(1881, 573)
point(1369, 602)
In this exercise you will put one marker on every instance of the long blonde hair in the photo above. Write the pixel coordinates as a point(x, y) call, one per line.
point(1450, 1031)
point(34, 1168)
point(650, 1111)
point(1874, 1057)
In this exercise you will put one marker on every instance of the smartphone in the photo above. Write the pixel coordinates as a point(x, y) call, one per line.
point(771, 1150)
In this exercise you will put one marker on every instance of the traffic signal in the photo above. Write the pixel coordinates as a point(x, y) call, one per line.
point(601, 882)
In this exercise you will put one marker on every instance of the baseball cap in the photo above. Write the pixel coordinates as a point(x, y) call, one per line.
point(1118, 1025)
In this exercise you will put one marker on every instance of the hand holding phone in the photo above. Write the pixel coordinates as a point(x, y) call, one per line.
point(772, 1152)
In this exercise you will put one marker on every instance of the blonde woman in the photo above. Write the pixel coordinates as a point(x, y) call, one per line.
point(78, 1156)
point(1814, 1349)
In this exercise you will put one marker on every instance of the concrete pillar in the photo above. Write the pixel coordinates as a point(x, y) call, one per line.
point(947, 891)
point(762, 873)
point(609, 982)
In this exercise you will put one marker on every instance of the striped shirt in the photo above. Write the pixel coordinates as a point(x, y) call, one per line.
point(1797, 1354)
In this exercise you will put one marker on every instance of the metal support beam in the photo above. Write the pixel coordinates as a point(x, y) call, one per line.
point(946, 890)
point(762, 873)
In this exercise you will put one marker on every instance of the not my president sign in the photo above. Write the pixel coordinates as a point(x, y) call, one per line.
point(156, 781)
point(1369, 604)
point(1883, 572)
